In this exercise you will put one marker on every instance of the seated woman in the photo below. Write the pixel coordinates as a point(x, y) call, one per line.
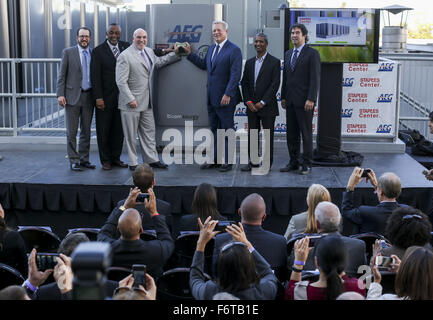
point(242, 271)
point(405, 227)
point(414, 278)
point(330, 256)
point(305, 222)
point(204, 204)
point(12, 247)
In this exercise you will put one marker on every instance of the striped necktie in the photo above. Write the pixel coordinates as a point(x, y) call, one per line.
point(294, 57)
point(115, 52)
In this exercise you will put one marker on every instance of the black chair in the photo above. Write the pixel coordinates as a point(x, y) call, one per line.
point(9, 276)
point(369, 238)
point(174, 285)
point(310, 276)
point(297, 236)
point(184, 249)
point(39, 238)
point(148, 235)
point(117, 273)
point(91, 233)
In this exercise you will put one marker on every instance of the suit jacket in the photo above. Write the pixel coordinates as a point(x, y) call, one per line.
point(270, 245)
point(297, 224)
point(52, 292)
point(302, 83)
point(133, 78)
point(224, 75)
point(153, 253)
point(368, 218)
point(103, 70)
point(70, 75)
point(355, 256)
point(267, 84)
point(109, 232)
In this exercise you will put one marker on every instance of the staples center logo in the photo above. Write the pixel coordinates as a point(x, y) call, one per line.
point(369, 113)
point(348, 82)
point(304, 20)
point(370, 82)
point(241, 111)
point(357, 97)
point(384, 128)
point(358, 67)
point(356, 128)
point(386, 66)
point(385, 97)
point(190, 34)
point(346, 113)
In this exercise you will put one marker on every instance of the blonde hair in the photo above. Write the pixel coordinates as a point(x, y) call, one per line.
point(316, 194)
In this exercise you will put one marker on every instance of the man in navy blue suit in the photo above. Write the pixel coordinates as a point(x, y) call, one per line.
point(223, 62)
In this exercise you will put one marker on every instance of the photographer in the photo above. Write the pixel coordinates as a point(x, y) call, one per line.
point(372, 218)
point(127, 290)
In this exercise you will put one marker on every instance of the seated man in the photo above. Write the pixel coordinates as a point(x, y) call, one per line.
point(372, 218)
point(143, 179)
point(328, 221)
point(130, 249)
point(270, 245)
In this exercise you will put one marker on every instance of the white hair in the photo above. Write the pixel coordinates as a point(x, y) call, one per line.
point(225, 24)
point(350, 295)
point(328, 215)
point(138, 30)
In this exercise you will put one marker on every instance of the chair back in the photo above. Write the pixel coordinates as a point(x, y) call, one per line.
point(91, 233)
point(39, 238)
point(369, 238)
point(148, 235)
point(117, 273)
point(9, 276)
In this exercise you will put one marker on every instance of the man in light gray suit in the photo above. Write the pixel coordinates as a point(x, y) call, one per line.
point(134, 72)
point(74, 93)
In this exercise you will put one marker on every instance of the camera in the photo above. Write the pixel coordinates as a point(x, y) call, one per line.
point(139, 274)
point(90, 261)
point(383, 262)
point(222, 225)
point(46, 261)
point(142, 196)
point(365, 173)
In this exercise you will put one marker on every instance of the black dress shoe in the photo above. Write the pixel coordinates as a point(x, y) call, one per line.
point(225, 167)
point(120, 164)
point(210, 166)
point(305, 170)
point(289, 168)
point(106, 166)
point(76, 167)
point(158, 164)
point(246, 167)
point(132, 168)
point(87, 165)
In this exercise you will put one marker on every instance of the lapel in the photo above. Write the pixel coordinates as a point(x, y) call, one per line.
point(138, 57)
point(76, 57)
point(301, 56)
point(108, 51)
point(218, 57)
point(288, 60)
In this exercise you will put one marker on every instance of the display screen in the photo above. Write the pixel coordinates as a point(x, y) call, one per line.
point(339, 35)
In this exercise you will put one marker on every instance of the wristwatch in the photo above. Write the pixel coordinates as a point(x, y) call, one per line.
point(296, 269)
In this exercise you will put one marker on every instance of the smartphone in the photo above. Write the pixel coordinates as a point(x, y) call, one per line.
point(46, 261)
point(139, 274)
point(313, 240)
point(365, 173)
point(222, 225)
point(384, 262)
point(142, 196)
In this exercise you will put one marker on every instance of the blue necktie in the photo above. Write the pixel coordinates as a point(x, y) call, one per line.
point(293, 62)
point(85, 80)
point(216, 53)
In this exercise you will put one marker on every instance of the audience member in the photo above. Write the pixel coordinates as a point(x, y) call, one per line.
point(372, 218)
point(224, 296)
point(130, 249)
point(204, 204)
point(330, 258)
point(242, 271)
point(12, 247)
point(143, 179)
point(126, 290)
point(305, 222)
point(253, 213)
point(406, 227)
point(14, 293)
point(328, 220)
point(350, 295)
point(414, 277)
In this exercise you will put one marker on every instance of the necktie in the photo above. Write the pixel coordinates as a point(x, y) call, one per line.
point(146, 60)
point(293, 62)
point(215, 54)
point(115, 52)
point(85, 79)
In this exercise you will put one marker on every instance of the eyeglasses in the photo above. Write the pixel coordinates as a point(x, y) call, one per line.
point(83, 36)
point(231, 244)
point(412, 216)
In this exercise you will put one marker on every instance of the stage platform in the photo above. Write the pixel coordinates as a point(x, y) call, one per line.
point(38, 188)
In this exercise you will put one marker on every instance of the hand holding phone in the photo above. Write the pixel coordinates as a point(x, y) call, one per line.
point(365, 173)
point(383, 262)
point(141, 197)
point(139, 274)
point(222, 225)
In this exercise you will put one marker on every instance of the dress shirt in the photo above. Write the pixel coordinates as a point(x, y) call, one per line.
point(257, 67)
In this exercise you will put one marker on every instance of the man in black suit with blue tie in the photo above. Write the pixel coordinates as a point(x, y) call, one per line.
point(260, 84)
point(301, 77)
point(223, 63)
point(108, 123)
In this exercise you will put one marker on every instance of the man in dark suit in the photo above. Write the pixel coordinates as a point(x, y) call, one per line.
point(328, 220)
point(130, 249)
point(372, 218)
point(108, 123)
point(270, 245)
point(74, 93)
point(143, 178)
point(301, 77)
point(260, 84)
point(223, 62)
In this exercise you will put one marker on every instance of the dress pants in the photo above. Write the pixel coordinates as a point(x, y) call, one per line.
point(109, 134)
point(268, 122)
point(142, 123)
point(81, 113)
point(299, 123)
point(221, 117)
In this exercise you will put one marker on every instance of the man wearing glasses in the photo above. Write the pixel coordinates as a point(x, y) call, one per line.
point(74, 93)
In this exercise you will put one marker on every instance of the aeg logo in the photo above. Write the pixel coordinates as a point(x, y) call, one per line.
point(241, 111)
point(385, 97)
point(384, 128)
point(386, 66)
point(280, 127)
point(347, 82)
point(190, 33)
point(346, 113)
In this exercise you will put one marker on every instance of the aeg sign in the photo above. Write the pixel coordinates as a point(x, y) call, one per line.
point(189, 34)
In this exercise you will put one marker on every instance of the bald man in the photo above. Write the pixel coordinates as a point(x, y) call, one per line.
point(130, 249)
point(371, 218)
point(270, 245)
